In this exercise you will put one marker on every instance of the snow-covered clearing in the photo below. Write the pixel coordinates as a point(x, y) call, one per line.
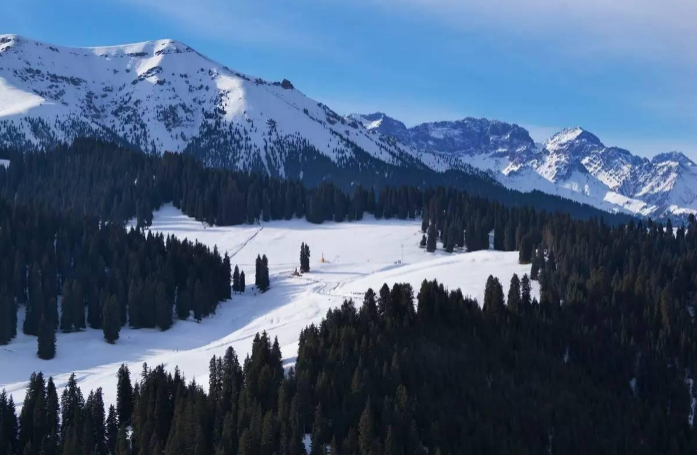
point(357, 255)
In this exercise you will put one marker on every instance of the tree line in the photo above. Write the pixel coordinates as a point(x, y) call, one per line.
point(116, 184)
point(434, 373)
point(72, 272)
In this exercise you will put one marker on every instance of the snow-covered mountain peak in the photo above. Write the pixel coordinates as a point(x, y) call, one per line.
point(574, 140)
point(677, 158)
point(383, 125)
point(163, 95)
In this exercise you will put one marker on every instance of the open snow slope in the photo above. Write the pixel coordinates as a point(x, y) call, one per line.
point(358, 255)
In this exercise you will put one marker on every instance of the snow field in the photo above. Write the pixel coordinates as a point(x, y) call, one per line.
point(357, 255)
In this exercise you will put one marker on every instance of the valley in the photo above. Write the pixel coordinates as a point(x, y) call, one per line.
point(358, 255)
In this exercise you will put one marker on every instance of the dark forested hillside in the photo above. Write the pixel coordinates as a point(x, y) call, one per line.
point(437, 375)
point(603, 362)
point(115, 184)
point(118, 277)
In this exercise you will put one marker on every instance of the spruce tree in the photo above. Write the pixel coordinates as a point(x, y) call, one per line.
point(67, 311)
point(525, 291)
point(366, 431)
point(163, 308)
point(493, 297)
point(52, 423)
point(304, 258)
point(535, 268)
point(124, 396)
point(236, 280)
point(514, 295)
point(182, 304)
point(6, 317)
point(78, 306)
point(111, 320)
point(242, 282)
point(134, 304)
point(200, 296)
point(432, 238)
point(112, 430)
point(123, 446)
point(263, 280)
point(318, 432)
point(46, 340)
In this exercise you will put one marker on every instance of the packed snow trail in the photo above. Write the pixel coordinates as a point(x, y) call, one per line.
point(370, 251)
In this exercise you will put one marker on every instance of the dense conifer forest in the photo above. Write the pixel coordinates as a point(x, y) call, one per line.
point(603, 363)
point(115, 184)
point(435, 374)
point(99, 275)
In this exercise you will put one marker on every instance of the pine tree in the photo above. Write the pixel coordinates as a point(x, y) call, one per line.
point(242, 282)
point(182, 304)
point(111, 320)
point(35, 305)
point(112, 430)
point(7, 316)
point(51, 445)
point(525, 291)
point(391, 443)
point(263, 274)
point(163, 308)
point(535, 268)
point(318, 432)
point(493, 297)
point(366, 431)
point(67, 310)
point(258, 279)
point(514, 296)
point(47, 340)
point(200, 296)
point(304, 258)
point(432, 238)
point(236, 280)
point(124, 396)
point(78, 306)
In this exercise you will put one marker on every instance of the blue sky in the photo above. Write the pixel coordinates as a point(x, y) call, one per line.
point(623, 69)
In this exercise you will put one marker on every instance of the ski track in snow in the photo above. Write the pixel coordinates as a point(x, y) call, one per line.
point(363, 254)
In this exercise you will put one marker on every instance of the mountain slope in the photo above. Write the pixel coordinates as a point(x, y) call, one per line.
point(573, 163)
point(164, 96)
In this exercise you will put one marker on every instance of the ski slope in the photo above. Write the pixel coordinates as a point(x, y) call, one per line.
point(358, 255)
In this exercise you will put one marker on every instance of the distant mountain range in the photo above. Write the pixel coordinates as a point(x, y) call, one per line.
point(164, 96)
point(573, 163)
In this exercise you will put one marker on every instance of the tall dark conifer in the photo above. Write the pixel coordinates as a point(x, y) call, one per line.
point(47, 340)
point(111, 320)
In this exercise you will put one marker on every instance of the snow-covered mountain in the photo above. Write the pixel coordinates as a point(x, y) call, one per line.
point(164, 96)
point(573, 163)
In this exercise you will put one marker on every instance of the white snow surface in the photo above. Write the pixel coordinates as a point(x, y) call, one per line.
point(358, 255)
point(4, 163)
point(160, 95)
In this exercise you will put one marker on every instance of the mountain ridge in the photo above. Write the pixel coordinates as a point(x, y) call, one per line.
point(572, 160)
point(163, 95)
